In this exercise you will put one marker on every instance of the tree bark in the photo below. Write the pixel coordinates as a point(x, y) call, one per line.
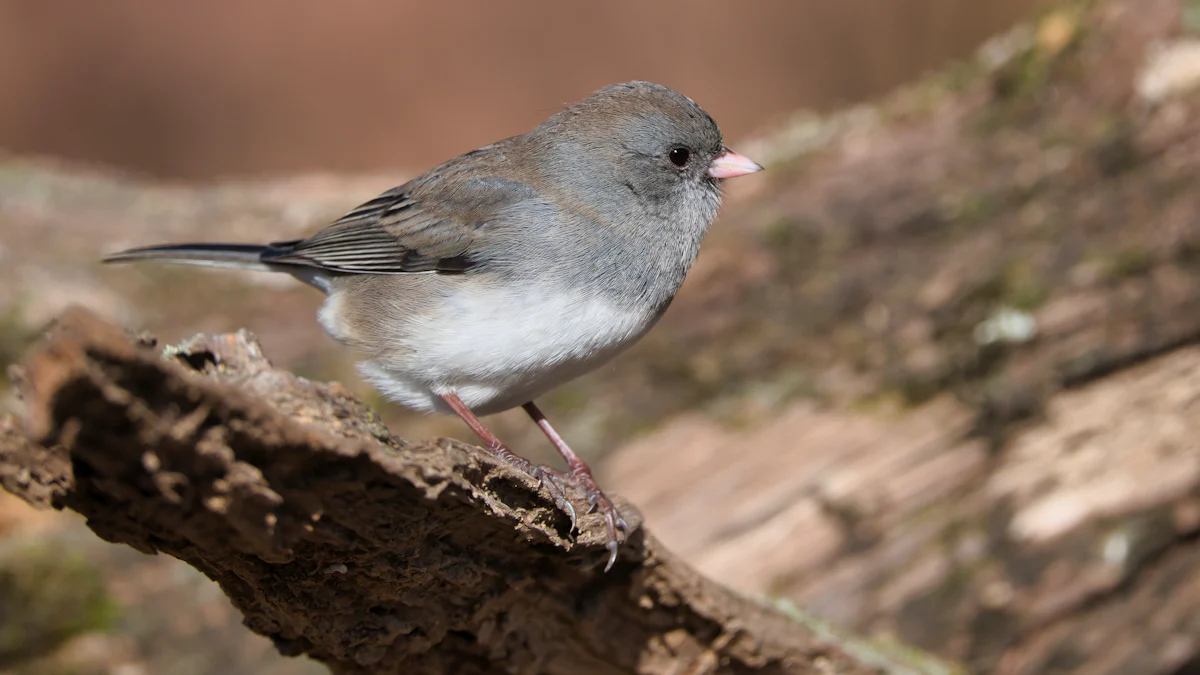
point(340, 541)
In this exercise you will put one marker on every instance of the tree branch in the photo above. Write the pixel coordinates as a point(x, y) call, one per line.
point(342, 542)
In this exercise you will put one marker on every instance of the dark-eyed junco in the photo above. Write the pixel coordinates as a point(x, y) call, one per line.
point(516, 267)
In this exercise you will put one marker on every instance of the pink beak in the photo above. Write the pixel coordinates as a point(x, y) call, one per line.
point(729, 164)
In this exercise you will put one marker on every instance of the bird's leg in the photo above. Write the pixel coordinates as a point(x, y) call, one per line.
point(581, 475)
point(501, 452)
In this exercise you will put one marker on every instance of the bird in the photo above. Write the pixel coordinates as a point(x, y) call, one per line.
point(509, 270)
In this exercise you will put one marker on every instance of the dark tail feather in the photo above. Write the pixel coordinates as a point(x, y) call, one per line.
point(229, 256)
point(235, 256)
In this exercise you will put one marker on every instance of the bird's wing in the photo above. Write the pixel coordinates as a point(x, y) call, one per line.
point(428, 225)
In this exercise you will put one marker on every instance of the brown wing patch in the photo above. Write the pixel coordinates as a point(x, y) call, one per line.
point(390, 234)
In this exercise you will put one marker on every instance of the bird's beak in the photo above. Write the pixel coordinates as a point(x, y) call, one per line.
point(729, 164)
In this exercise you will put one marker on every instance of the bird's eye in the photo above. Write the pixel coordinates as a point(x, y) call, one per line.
point(680, 156)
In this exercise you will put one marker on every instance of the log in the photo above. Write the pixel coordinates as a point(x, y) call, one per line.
point(363, 551)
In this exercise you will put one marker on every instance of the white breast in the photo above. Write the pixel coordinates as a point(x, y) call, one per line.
point(498, 347)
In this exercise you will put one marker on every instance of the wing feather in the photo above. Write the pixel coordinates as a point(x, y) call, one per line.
point(396, 233)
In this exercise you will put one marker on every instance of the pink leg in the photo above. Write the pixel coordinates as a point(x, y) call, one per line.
point(501, 452)
point(581, 475)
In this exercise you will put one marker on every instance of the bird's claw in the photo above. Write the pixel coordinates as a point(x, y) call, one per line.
point(553, 483)
point(615, 524)
point(566, 505)
point(556, 483)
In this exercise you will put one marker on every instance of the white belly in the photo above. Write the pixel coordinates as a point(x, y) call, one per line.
point(502, 347)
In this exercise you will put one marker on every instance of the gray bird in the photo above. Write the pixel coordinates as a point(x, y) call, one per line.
point(509, 270)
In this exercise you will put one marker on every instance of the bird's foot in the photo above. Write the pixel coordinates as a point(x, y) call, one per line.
point(617, 528)
point(557, 483)
point(546, 477)
point(552, 481)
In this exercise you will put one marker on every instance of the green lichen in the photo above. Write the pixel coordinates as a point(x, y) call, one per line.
point(1114, 145)
point(1021, 83)
point(1133, 260)
point(1021, 286)
point(888, 655)
point(973, 208)
point(568, 399)
point(15, 338)
point(48, 594)
point(882, 401)
point(1191, 16)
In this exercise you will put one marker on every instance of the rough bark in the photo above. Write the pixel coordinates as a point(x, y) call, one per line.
point(1074, 549)
point(342, 542)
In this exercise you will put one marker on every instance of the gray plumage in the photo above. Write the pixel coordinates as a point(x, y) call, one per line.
point(583, 219)
point(518, 266)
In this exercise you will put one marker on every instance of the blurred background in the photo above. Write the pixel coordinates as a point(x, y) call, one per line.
point(199, 91)
point(932, 378)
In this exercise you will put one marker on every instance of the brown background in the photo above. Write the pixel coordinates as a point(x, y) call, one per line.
point(202, 89)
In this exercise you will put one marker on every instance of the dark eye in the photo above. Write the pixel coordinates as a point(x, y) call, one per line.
point(680, 156)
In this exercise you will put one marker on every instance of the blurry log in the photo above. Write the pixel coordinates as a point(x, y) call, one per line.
point(1030, 506)
point(1072, 549)
point(342, 542)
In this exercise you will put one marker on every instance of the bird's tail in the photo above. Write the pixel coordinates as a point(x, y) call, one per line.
point(234, 256)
